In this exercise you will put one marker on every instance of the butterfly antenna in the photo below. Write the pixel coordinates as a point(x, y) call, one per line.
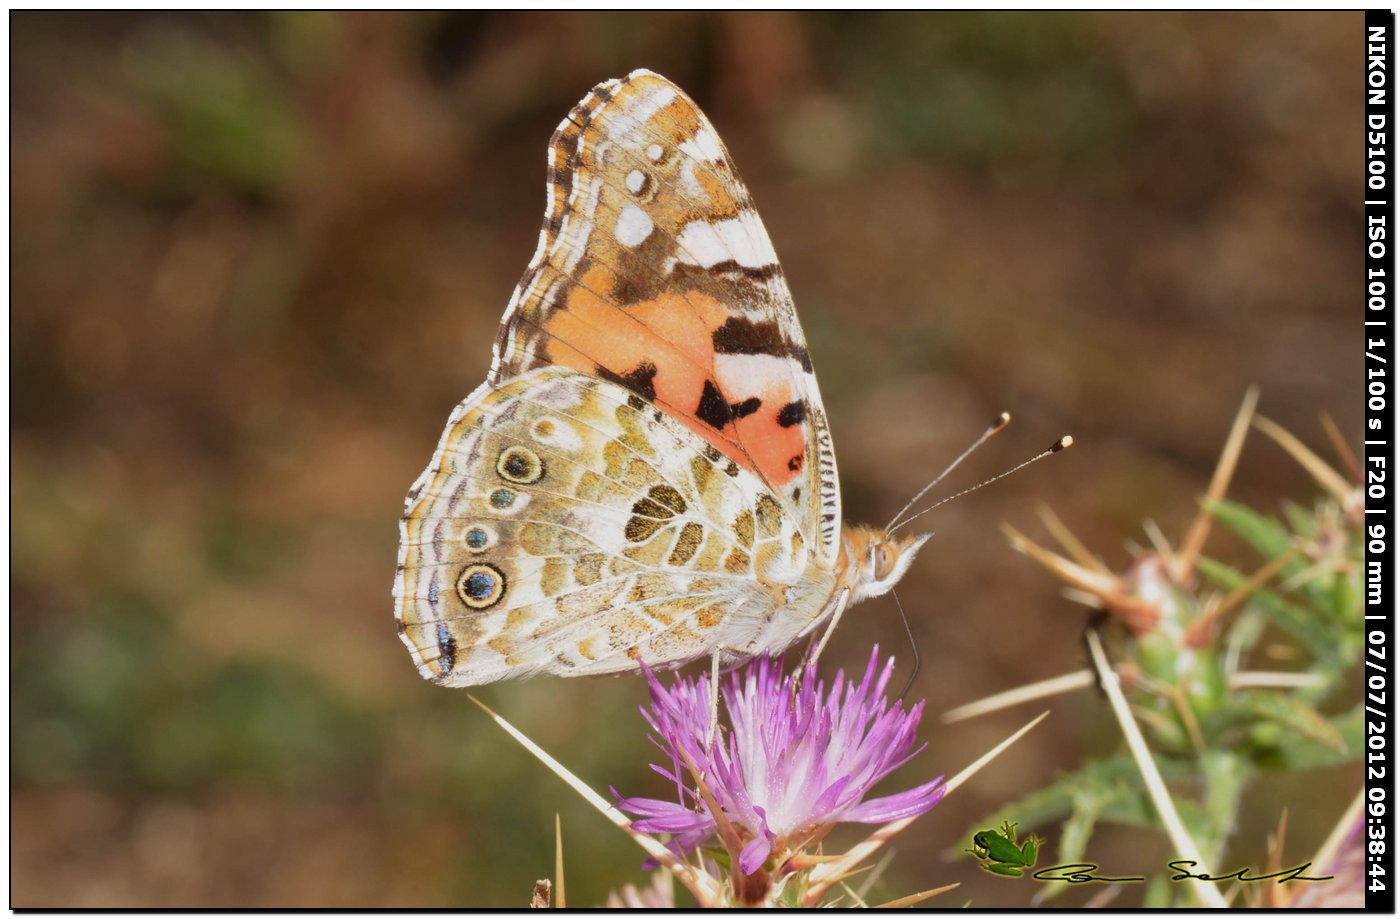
point(1062, 444)
point(1002, 421)
point(913, 646)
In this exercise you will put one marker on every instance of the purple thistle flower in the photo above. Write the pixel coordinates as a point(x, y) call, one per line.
point(796, 762)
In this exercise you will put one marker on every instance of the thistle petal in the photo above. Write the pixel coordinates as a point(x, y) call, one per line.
point(793, 764)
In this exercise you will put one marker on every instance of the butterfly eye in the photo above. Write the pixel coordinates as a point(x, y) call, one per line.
point(481, 586)
point(520, 465)
point(478, 538)
point(505, 501)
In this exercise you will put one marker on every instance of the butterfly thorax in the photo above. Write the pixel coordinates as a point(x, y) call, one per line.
point(872, 561)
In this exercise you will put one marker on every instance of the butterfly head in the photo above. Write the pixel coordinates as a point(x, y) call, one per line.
point(873, 561)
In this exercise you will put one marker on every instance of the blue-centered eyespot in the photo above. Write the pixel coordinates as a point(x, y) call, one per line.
point(478, 538)
point(520, 465)
point(481, 586)
point(502, 498)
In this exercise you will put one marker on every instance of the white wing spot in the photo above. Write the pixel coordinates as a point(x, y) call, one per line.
point(753, 374)
point(654, 153)
point(691, 183)
point(556, 433)
point(636, 181)
point(704, 146)
point(740, 238)
point(633, 226)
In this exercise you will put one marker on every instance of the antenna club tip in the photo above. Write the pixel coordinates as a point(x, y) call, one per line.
point(1064, 443)
point(1001, 421)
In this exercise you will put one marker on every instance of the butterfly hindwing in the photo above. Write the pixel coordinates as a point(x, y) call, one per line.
point(654, 272)
point(568, 526)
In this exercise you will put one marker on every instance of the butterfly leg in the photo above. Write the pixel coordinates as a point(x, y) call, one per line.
point(815, 649)
point(841, 602)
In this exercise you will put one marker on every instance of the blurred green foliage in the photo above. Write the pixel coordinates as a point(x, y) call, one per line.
point(231, 124)
point(118, 703)
point(989, 91)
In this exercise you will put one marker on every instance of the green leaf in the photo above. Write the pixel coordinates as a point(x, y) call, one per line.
point(1113, 781)
point(1226, 773)
point(1346, 600)
point(1268, 537)
point(1302, 520)
point(1308, 627)
point(1075, 833)
point(1293, 752)
point(1293, 715)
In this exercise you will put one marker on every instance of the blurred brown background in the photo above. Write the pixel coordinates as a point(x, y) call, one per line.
point(256, 259)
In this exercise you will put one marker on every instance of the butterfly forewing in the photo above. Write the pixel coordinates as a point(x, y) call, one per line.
point(654, 272)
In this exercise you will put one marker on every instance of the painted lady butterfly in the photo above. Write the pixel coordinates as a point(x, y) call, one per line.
point(647, 474)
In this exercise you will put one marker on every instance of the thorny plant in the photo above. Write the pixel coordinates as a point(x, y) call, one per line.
point(1187, 630)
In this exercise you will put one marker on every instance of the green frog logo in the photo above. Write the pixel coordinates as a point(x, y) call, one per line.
point(1000, 853)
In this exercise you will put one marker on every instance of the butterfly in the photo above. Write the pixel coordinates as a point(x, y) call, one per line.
point(647, 475)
